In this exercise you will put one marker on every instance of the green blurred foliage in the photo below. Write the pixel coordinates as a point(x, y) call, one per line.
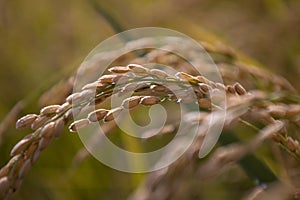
point(41, 40)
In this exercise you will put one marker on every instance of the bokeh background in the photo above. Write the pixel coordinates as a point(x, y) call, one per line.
point(43, 41)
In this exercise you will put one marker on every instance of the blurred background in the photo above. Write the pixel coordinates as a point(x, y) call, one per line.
point(43, 41)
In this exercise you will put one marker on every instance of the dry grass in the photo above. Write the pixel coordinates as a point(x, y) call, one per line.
point(269, 105)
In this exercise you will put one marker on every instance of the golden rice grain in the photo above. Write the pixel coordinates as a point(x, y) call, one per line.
point(35, 155)
point(40, 121)
point(131, 102)
point(59, 127)
point(293, 110)
point(71, 113)
point(230, 89)
point(291, 144)
point(13, 160)
point(137, 68)
point(93, 86)
point(159, 73)
point(43, 143)
point(4, 185)
point(29, 151)
point(73, 98)
point(86, 95)
point(107, 78)
point(204, 88)
point(64, 107)
point(198, 92)
point(80, 97)
point(125, 78)
point(277, 111)
point(276, 138)
point(4, 170)
point(187, 77)
point(112, 114)
point(202, 79)
point(24, 169)
point(119, 69)
point(239, 89)
point(79, 124)
point(97, 115)
point(48, 110)
point(172, 97)
point(149, 100)
point(26, 121)
point(158, 88)
point(21, 145)
point(48, 130)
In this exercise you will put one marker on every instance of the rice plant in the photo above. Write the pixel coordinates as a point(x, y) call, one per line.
point(263, 111)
